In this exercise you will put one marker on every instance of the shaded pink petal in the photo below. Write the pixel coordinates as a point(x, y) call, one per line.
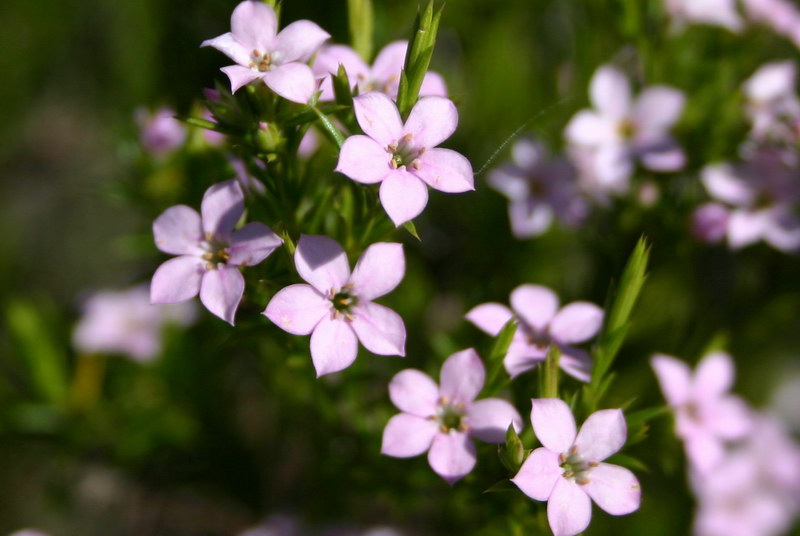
point(782, 230)
point(228, 45)
point(379, 270)
point(240, 76)
point(615, 489)
point(489, 419)
point(462, 377)
point(576, 362)
point(522, 357)
point(403, 196)
point(389, 61)
point(330, 57)
point(529, 218)
point(490, 317)
point(433, 85)
point(252, 244)
point(334, 346)
point(298, 41)
point(663, 155)
point(710, 222)
point(378, 117)
point(658, 108)
point(601, 435)
point(407, 435)
point(569, 509)
point(452, 455)
point(414, 392)
point(535, 304)
point(613, 166)
point(704, 451)
point(745, 227)
point(222, 206)
point(254, 25)
point(674, 377)
point(724, 184)
point(322, 262)
point(610, 92)
point(713, 376)
point(431, 121)
point(292, 81)
point(178, 231)
point(539, 473)
point(221, 291)
point(576, 323)
point(297, 309)
point(445, 170)
point(362, 159)
point(590, 129)
point(730, 418)
point(509, 182)
point(553, 423)
point(177, 280)
point(379, 329)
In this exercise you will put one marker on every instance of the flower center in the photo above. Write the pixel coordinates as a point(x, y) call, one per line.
point(450, 417)
point(533, 336)
point(575, 467)
point(404, 154)
point(216, 251)
point(260, 61)
point(343, 301)
point(626, 129)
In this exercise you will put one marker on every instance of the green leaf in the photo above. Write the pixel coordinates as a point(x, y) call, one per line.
point(628, 461)
point(360, 19)
point(330, 128)
point(412, 230)
point(645, 415)
point(498, 353)
point(418, 57)
point(342, 89)
point(504, 486)
point(549, 373)
point(512, 453)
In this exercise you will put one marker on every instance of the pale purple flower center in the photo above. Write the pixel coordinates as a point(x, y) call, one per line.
point(342, 301)
point(576, 469)
point(404, 154)
point(450, 416)
point(216, 251)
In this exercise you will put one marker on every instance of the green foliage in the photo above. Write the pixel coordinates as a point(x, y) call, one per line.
point(418, 57)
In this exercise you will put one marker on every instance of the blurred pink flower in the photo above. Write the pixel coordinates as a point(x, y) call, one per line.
point(782, 16)
point(540, 324)
point(772, 103)
point(210, 251)
point(308, 144)
point(443, 419)
point(248, 183)
point(710, 223)
point(159, 133)
point(261, 52)
point(567, 471)
point(714, 12)
point(404, 157)
point(336, 307)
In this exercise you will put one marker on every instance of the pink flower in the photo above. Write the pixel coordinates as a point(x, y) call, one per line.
point(540, 324)
point(706, 416)
point(772, 103)
point(404, 157)
point(276, 58)
point(782, 16)
point(715, 12)
point(210, 251)
point(442, 420)
point(710, 223)
point(567, 471)
point(336, 308)
point(383, 76)
point(159, 133)
point(620, 129)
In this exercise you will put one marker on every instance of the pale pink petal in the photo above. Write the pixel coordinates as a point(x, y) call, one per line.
point(414, 392)
point(569, 509)
point(704, 451)
point(228, 45)
point(489, 419)
point(334, 346)
point(663, 155)
point(452, 455)
point(433, 85)
point(379, 329)
point(403, 196)
point(589, 128)
point(378, 117)
point(389, 61)
point(222, 206)
point(254, 25)
point(252, 244)
point(322, 262)
point(610, 92)
point(178, 231)
point(292, 81)
point(553, 423)
point(576, 362)
point(240, 76)
point(362, 159)
point(522, 357)
point(782, 230)
point(539, 473)
point(658, 108)
point(535, 304)
point(330, 57)
point(445, 170)
point(221, 290)
point(462, 377)
point(529, 218)
point(431, 121)
point(724, 184)
point(601, 435)
point(613, 167)
point(298, 41)
point(674, 377)
point(713, 376)
point(729, 418)
point(407, 435)
point(771, 82)
point(177, 280)
point(511, 183)
point(576, 323)
point(745, 227)
point(615, 489)
point(379, 270)
point(490, 317)
point(297, 309)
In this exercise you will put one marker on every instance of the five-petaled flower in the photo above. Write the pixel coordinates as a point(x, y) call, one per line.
point(261, 52)
point(442, 419)
point(210, 251)
point(336, 306)
point(568, 469)
point(403, 157)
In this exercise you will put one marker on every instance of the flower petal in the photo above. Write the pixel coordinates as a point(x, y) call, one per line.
point(407, 435)
point(221, 291)
point(297, 309)
point(539, 473)
point(745, 227)
point(723, 182)
point(322, 262)
point(222, 206)
point(252, 244)
point(363, 160)
point(704, 451)
point(662, 155)
point(330, 57)
point(615, 489)
point(431, 121)
point(674, 377)
point(488, 419)
point(490, 317)
point(576, 323)
point(379, 329)
point(230, 46)
point(576, 362)
point(178, 231)
point(446, 171)
point(601, 435)
point(553, 423)
point(569, 509)
point(462, 377)
point(254, 25)
point(240, 76)
point(378, 117)
point(389, 61)
point(658, 108)
point(334, 346)
point(730, 418)
point(414, 392)
point(298, 41)
point(535, 304)
point(292, 81)
point(529, 218)
point(522, 357)
point(177, 280)
point(452, 455)
point(379, 270)
point(403, 196)
point(433, 85)
point(610, 92)
point(590, 129)
point(713, 376)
